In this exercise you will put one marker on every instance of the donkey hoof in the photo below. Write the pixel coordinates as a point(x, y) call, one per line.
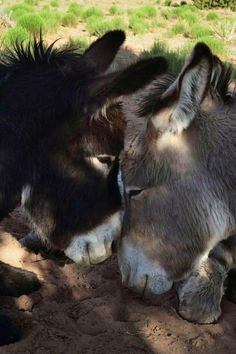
point(96, 246)
point(200, 295)
point(141, 274)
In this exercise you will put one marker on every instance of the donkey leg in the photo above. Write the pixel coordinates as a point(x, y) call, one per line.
point(201, 293)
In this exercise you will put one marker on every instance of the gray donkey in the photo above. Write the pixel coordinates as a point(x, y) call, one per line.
point(178, 172)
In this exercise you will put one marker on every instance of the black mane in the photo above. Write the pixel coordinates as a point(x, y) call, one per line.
point(36, 53)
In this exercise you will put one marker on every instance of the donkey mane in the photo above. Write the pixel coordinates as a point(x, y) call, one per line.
point(36, 53)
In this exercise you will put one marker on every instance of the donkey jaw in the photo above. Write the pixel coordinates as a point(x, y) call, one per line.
point(95, 246)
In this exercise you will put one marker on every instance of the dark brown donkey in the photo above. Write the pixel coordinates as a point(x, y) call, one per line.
point(56, 159)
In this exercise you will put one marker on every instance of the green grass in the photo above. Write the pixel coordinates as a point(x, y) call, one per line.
point(31, 2)
point(189, 16)
point(178, 28)
point(115, 10)
point(52, 20)
point(92, 11)
point(137, 25)
point(196, 31)
point(146, 11)
point(212, 16)
point(33, 23)
point(16, 11)
point(79, 43)
point(75, 9)
point(216, 45)
point(69, 20)
point(54, 3)
point(13, 35)
point(98, 26)
point(175, 58)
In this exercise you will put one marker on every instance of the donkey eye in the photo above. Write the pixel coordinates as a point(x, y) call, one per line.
point(106, 159)
point(134, 192)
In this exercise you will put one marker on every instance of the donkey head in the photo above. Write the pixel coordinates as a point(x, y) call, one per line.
point(169, 164)
point(65, 151)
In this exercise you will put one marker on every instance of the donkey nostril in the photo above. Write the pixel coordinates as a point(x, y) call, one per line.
point(114, 246)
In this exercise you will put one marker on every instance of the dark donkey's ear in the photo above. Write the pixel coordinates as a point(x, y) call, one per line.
point(183, 98)
point(102, 52)
point(130, 79)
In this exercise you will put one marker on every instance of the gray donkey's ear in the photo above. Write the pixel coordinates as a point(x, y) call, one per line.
point(184, 96)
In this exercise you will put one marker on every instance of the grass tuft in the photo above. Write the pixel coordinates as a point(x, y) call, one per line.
point(212, 16)
point(93, 11)
point(115, 10)
point(75, 9)
point(18, 10)
point(31, 2)
point(175, 58)
point(178, 28)
point(69, 20)
point(13, 35)
point(196, 31)
point(33, 23)
point(98, 26)
point(54, 3)
point(137, 25)
point(52, 20)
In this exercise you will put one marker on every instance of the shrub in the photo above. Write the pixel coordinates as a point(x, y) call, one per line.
point(225, 29)
point(33, 23)
point(197, 31)
point(13, 35)
point(75, 9)
point(137, 25)
point(92, 11)
point(69, 20)
point(31, 2)
point(52, 20)
point(178, 28)
point(79, 43)
point(16, 11)
point(175, 58)
point(166, 13)
point(115, 10)
point(168, 2)
point(216, 45)
point(208, 4)
point(189, 16)
point(146, 11)
point(54, 3)
point(98, 26)
point(212, 16)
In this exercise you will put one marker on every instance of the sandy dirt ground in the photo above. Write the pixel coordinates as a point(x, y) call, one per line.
point(79, 311)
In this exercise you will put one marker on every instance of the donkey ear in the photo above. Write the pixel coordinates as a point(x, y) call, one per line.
point(129, 80)
point(188, 91)
point(102, 52)
point(137, 76)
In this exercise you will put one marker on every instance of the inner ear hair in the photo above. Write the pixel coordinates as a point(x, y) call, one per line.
point(188, 90)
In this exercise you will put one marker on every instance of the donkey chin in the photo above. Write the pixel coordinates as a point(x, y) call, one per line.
point(88, 248)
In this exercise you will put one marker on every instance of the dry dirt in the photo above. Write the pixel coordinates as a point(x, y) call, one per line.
point(79, 311)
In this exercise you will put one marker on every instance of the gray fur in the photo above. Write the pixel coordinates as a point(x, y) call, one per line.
point(186, 176)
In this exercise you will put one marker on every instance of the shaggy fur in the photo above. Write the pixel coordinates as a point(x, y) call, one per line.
point(180, 154)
